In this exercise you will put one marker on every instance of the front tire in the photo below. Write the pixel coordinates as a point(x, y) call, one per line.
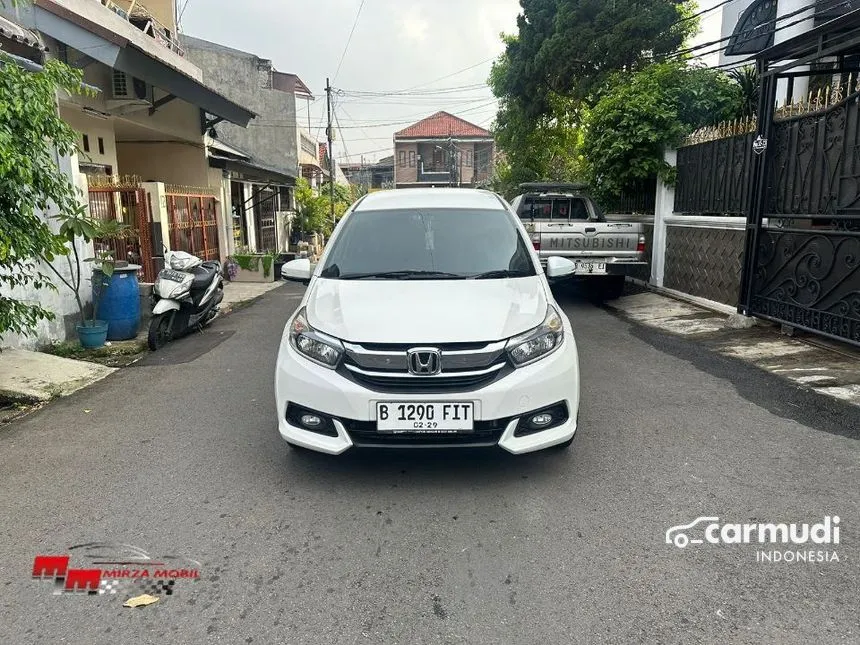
point(159, 332)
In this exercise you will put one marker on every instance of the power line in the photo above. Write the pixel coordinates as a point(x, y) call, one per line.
point(751, 32)
point(349, 40)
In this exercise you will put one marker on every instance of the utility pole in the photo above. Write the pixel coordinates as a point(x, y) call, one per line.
point(329, 136)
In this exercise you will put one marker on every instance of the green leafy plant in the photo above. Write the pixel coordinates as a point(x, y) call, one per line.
point(748, 81)
point(267, 260)
point(33, 138)
point(247, 261)
point(639, 115)
point(77, 226)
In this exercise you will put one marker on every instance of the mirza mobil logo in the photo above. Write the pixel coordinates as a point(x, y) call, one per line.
point(777, 542)
point(101, 568)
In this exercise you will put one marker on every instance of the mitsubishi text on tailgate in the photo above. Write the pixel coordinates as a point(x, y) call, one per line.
point(563, 221)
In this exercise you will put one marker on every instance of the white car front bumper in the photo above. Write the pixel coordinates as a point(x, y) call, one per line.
point(549, 381)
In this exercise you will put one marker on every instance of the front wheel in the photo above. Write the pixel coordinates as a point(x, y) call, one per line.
point(159, 331)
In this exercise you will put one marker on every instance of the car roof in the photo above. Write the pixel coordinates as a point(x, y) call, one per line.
point(430, 198)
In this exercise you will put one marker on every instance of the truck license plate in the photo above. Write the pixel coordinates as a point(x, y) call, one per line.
point(590, 267)
point(415, 416)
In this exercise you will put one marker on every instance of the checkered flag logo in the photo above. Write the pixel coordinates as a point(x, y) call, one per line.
point(109, 586)
point(158, 587)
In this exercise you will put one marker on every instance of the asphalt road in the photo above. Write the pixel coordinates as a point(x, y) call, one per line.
point(180, 455)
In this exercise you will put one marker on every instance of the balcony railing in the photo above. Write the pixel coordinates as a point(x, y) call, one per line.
point(140, 17)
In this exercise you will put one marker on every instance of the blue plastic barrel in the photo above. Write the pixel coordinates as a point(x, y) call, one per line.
point(119, 305)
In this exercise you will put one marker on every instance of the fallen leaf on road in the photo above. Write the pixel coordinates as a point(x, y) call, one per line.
point(140, 601)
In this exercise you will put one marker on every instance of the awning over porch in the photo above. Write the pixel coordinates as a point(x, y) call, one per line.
point(251, 171)
point(118, 52)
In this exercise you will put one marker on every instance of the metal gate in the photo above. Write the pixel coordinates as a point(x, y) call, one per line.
point(193, 224)
point(802, 265)
point(265, 220)
point(127, 204)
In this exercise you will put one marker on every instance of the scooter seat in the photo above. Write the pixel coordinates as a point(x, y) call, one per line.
point(203, 275)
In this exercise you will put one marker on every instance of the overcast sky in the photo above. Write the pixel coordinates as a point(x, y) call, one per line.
point(397, 45)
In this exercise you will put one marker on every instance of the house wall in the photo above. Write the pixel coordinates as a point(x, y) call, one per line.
point(169, 162)
point(404, 173)
point(271, 139)
point(95, 129)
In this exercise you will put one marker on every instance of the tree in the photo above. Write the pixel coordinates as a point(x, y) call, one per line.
point(570, 47)
point(545, 147)
point(314, 208)
point(641, 114)
point(747, 79)
point(32, 137)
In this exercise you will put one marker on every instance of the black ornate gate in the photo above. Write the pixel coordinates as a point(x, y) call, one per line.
point(802, 265)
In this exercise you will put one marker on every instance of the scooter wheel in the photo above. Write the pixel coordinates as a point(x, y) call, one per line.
point(159, 332)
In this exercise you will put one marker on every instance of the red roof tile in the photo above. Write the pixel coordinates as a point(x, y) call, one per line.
point(442, 124)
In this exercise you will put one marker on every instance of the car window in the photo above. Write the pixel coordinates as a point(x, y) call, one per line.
point(554, 208)
point(460, 242)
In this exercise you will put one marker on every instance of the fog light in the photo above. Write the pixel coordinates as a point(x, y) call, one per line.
point(311, 421)
point(541, 420)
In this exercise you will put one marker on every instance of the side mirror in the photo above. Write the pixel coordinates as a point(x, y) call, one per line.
point(559, 267)
point(297, 270)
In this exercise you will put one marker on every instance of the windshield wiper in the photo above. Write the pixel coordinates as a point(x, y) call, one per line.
point(502, 273)
point(407, 274)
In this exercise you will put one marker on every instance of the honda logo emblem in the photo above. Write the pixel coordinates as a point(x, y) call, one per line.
point(424, 361)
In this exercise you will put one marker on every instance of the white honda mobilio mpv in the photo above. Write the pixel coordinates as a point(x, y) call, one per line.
point(428, 322)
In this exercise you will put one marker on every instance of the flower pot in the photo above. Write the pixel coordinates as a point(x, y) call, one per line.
point(93, 336)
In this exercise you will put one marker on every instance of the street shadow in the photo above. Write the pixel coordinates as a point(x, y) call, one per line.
point(422, 467)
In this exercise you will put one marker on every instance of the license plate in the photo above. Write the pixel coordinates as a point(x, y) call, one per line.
point(590, 267)
point(173, 276)
point(414, 416)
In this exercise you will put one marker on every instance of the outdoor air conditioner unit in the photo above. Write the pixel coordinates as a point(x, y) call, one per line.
point(129, 92)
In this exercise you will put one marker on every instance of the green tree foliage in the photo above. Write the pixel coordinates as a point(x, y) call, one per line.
point(747, 79)
point(314, 208)
point(570, 47)
point(32, 135)
point(638, 115)
point(545, 147)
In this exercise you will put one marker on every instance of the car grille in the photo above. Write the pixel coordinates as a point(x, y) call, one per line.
point(464, 367)
point(365, 435)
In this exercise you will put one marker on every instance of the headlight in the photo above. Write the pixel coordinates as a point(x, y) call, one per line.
point(181, 290)
point(312, 344)
point(538, 342)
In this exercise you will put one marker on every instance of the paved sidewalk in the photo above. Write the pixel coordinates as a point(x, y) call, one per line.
point(828, 367)
point(29, 377)
point(239, 293)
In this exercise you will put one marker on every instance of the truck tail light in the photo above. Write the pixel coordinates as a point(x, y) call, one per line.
point(640, 247)
point(536, 242)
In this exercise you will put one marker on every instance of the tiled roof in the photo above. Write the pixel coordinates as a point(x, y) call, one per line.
point(442, 124)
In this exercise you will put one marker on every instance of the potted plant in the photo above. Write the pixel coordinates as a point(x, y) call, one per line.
point(246, 266)
point(76, 226)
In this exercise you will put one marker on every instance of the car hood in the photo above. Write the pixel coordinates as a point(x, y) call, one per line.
point(426, 311)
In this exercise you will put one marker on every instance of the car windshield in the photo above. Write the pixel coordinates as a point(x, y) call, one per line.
point(435, 244)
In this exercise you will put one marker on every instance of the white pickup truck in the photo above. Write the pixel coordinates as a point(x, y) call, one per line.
point(563, 221)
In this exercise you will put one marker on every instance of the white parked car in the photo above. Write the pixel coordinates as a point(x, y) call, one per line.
point(428, 322)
